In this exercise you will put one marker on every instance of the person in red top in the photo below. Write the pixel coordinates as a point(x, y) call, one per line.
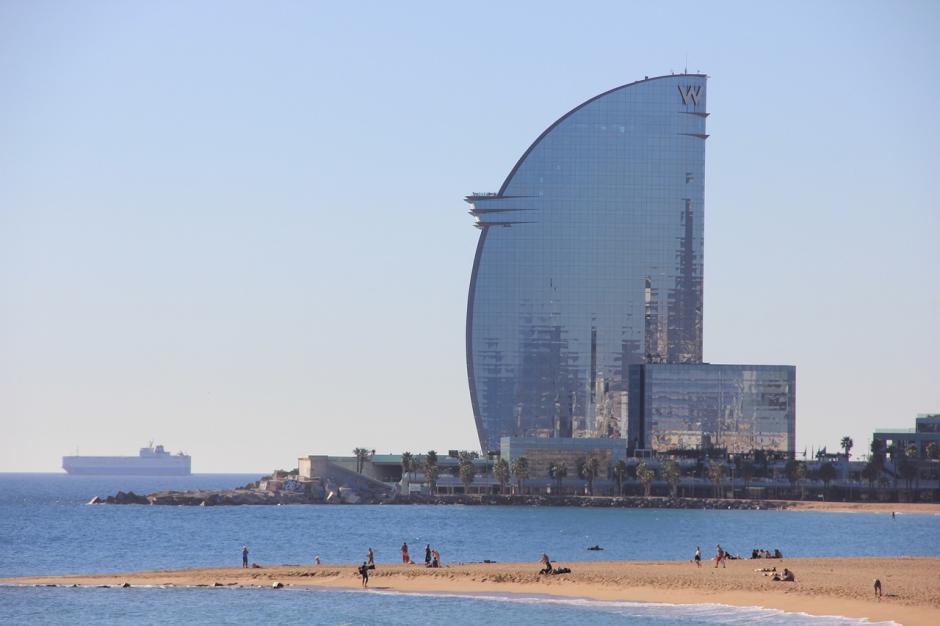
point(404, 553)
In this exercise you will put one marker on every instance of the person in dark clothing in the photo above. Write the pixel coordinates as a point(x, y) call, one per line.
point(427, 555)
point(364, 572)
point(244, 556)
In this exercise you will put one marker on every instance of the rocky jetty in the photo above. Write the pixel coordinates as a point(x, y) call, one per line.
point(254, 496)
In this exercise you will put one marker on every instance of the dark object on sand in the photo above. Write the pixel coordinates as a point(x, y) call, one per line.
point(595, 547)
point(488, 561)
point(255, 566)
point(277, 585)
point(125, 585)
point(786, 577)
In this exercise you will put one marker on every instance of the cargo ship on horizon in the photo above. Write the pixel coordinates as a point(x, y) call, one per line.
point(151, 461)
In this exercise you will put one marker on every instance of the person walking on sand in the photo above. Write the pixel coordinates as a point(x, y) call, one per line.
point(404, 553)
point(244, 556)
point(427, 555)
point(370, 557)
point(698, 556)
point(878, 588)
point(719, 556)
point(364, 572)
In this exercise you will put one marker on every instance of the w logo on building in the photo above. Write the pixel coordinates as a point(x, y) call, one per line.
point(690, 92)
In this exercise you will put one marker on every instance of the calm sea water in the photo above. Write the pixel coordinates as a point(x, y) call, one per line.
point(46, 528)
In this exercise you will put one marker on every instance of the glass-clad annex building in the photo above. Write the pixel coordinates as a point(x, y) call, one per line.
point(736, 407)
point(589, 261)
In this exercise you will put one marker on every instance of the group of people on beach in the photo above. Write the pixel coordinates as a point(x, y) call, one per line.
point(432, 558)
point(721, 555)
point(766, 554)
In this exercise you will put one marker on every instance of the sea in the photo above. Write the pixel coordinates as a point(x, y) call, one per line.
point(46, 528)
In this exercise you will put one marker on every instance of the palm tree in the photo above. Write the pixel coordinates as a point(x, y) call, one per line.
point(716, 472)
point(467, 472)
point(407, 463)
point(559, 472)
point(620, 472)
point(589, 472)
point(800, 474)
point(362, 455)
point(645, 474)
point(672, 473)
point(846, 445)
point(520, 469)
point(501, 474)
point(431, 470)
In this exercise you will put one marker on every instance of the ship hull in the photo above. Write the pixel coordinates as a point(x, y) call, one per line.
point(126, 466)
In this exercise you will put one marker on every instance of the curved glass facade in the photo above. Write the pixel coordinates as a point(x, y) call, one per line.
point(589, 260)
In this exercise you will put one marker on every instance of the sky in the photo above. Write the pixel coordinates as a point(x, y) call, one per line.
point(238, 228)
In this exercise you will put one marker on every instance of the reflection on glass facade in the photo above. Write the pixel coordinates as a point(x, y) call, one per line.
point(738, 407)
point(589, 261)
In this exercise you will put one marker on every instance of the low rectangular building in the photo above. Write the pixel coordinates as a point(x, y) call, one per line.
point(926, 431)
point(543, 452)
point(701, 405)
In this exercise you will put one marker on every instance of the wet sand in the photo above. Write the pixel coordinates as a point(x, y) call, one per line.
point(824, 586)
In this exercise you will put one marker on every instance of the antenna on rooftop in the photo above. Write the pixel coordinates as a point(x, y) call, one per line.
point(686, 69)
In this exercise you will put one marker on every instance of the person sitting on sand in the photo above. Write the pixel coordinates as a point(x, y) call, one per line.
point(364, 572)
point(435, 558)
point(546, 565)
point(878, 588)
point(786, 577)
point(698, 556)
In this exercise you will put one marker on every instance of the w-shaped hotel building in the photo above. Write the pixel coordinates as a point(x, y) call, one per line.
point(584, 317)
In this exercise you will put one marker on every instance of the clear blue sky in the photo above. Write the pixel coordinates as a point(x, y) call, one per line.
point(238, 228)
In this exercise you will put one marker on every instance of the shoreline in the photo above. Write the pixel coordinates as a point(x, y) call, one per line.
point(824, 586)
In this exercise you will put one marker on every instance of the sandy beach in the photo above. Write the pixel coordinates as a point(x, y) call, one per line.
point(866, 507)
point(824, 586)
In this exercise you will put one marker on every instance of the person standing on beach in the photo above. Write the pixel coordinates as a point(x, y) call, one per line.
point(427, 555)
point(878, 588)
point(364, 572)
point(244, 556)
point(719, 556)
point(404, 553)
point(316, 560)
point(370, 557)
point(698, 556)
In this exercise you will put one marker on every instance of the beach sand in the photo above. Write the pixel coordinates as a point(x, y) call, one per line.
point(824, 586)
point(866, 507)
